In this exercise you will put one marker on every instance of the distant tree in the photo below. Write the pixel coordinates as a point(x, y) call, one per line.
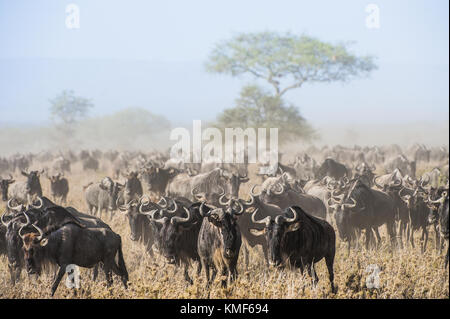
point(287, 61)
point(67, 109)
point(257, 108)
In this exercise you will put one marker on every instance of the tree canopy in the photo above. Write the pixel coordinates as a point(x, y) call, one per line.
point(287, 61)
point(257, 108)
point(67, 109)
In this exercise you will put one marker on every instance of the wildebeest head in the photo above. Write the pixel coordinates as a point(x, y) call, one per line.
point(275, 230)
point(225, 221)
point(169, 232)
point(434, 205)
point(343, 209)
point(364, 172)
point(234, 182)
point(55, 178)
point(4, 185)
point(132, 185)
point(14, 244)
point(33, 185)
point(32, 243)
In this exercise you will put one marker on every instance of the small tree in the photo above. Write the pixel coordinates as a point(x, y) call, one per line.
point(287, 61)
point(257, 108)
point(67, 109)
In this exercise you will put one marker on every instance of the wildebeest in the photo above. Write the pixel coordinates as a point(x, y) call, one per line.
point(72, 244)
point(102, 196)
point(364, 208)
point(442, 216)
point(90, 163)
point(333, 169)
point(300, 240)
point(61, 165)
point(4, 186)
point(24, 192)
point(59, 187)
point(219, 242)
point(418, 215)
point(403, 164)
point(177, 237)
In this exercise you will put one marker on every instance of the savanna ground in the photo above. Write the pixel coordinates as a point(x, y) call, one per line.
point(405, 273)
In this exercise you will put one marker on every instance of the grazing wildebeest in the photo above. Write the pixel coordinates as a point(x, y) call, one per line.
point(364, 208)
point(102, 196)
point(300, 240)
point(219, 242)
point(4, 186)
point(59, 187)
point(333, 169)
point(177, 237)
point(24, 192)
point(72, 244)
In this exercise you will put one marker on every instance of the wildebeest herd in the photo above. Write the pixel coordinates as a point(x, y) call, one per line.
point(197, 214)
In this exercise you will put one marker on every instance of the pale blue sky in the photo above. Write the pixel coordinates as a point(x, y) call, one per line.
point(151, 54)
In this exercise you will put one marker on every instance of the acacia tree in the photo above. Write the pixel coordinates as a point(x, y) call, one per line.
point(257, 108)
point(287, 61)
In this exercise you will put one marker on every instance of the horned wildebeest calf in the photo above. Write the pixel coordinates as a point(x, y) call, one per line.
point(72, 244)
point(59, 187)
point(300, 240)
point(219, 242)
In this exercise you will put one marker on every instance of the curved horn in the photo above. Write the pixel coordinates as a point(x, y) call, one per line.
point(375, 182)
point(181, 220)
point(264, 221)
point(16, 208)
point(41, 234)
point(147, 201)
point(39, 206)
point(281, 191)
point(175, 207)
point(251, 191)
point(351, 205)
point(202, 213)
point(221, 202)
point(280, 219)
point(163, 202)
point(6, 224)
point(241, 209)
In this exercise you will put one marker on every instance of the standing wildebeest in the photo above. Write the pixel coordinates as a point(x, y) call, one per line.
point(61, 165)
point(219, 242)
point(72, 244)
point(133, 187)
point(4, 185)
point(177, 237)
point(23, 192)
point(443, 219)
point(59, 187)
point(364, 208)
point(102, 196)
point(402, 163)
point(333, 169)
point(286, 197)
point(301, 241)
point(418, 215)
point(90, 163)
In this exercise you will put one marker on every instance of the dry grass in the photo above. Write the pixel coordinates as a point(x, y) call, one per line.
point(405, 274)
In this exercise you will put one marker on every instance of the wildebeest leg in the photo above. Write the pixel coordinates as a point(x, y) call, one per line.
point(246, 255)
point(411, 238)
point(205, 266)
point(186, 274)
point(61, 272)
point(424, 234)
point(199, 268)
point(312, 273)
point(224, 273)
point(392, 234)
point(368, 235)
point(266, 255)
point(438, 243)
point(446, 256)
point(377, 234)
point(401, 230)
point(329, 260)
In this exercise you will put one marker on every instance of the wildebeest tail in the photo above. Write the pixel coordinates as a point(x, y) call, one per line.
point(121, 261)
